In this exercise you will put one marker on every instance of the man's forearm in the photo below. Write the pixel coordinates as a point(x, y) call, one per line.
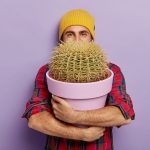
point(106, 117)
point(46, 123)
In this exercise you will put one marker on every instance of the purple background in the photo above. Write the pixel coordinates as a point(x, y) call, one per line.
point(28, 34)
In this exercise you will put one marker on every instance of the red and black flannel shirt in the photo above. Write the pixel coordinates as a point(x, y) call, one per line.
point(41, 100)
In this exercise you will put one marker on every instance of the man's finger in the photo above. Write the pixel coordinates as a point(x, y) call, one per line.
point(57, 99)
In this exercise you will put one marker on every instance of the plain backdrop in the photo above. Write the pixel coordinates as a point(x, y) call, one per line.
point(28, 33)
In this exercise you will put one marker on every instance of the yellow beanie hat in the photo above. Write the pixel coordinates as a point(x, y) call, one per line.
point(77, 17)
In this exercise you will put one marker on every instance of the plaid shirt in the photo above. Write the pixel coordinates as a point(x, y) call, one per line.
point(118, 97)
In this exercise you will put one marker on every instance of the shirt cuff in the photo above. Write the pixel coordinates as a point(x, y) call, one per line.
point(34, 109)
point(126, 110)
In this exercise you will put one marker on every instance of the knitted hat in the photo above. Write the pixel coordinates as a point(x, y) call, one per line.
point(77, 17)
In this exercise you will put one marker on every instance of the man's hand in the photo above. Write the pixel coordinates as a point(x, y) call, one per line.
point(93, 133)
point(62, 110)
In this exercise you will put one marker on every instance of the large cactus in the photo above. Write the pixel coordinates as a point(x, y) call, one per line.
point(78, 62)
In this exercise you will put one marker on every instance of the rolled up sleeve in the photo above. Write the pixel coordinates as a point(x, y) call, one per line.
point(40, 99)
point(118, 96)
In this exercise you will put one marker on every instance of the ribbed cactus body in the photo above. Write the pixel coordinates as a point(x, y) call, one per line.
point(78, 62)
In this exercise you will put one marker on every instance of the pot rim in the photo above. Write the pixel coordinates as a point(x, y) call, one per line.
point(95, 82)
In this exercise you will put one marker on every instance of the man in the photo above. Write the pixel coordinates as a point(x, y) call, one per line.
point(54, 117)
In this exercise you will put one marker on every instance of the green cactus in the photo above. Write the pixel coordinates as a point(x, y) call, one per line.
point(78, 62)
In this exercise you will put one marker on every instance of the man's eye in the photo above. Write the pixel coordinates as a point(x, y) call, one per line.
point(69, 34)
point(84, 34)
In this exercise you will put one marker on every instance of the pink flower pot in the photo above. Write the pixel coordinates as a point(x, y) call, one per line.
point(82, 96)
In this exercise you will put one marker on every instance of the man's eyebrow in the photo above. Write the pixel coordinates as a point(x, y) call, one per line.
point(84, 31)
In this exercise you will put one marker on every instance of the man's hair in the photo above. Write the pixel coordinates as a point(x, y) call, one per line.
point(77, 17)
